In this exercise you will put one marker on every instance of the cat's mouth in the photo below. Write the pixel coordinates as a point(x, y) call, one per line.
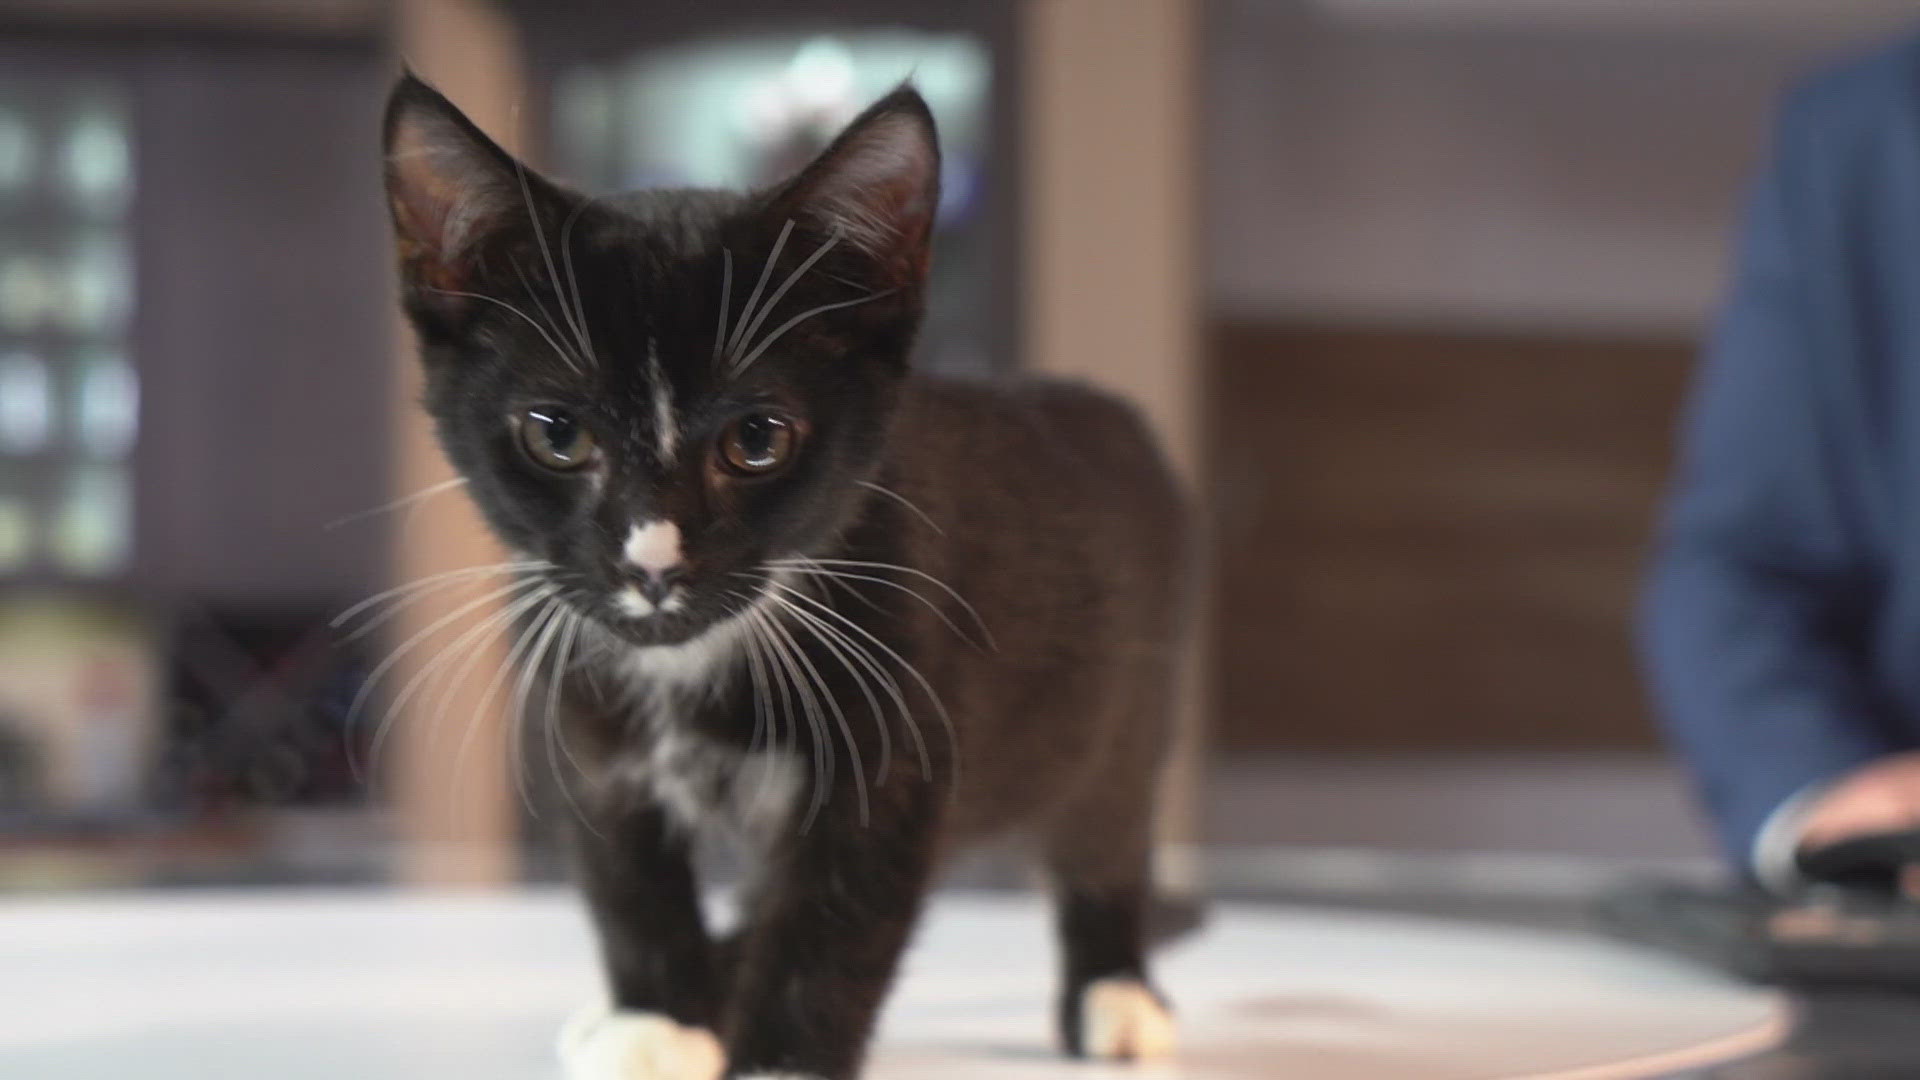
point(634, 604)
point(665, 619)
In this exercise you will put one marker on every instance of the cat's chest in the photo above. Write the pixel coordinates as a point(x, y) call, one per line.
point(672, 758)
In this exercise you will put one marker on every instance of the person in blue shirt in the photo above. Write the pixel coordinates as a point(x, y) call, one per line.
point(1781, 626)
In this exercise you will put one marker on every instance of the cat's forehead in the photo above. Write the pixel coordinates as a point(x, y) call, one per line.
point(616, 293)
point(673, 222)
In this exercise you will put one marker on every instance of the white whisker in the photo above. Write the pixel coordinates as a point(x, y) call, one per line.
point(904, 501)
point(470, 644)
point(564, 355)
point(573, 283)
point(515, 737)
point(926, 687)
point(773, 301)
point(379, 672)
point(556, 737)
point(886, 679)
point(809, 709)
point(767, 342)
point(546, 255)
point(840, 720)
point(766, 271)
point(500, 625)
point(845, 575)
point(499, 621)
point(558, 297)
point(816, 723)
point(763, 647)
point(765, 724)
point(405, 500)
point(847, 651)
point(531, 665)
point(929, 578)
point(726, 299)
point(431, 583)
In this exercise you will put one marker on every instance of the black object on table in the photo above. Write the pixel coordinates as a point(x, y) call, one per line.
point(1851, 924)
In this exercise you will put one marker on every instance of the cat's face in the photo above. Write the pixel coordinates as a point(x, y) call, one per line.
point(659, 393)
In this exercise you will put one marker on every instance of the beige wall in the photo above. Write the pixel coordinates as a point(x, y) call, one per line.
point(1109, 218)
point(451, 787)
point(1109, 166)
point(1516, 171)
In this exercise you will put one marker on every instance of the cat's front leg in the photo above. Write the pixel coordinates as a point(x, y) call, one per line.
point(825, 936)
point(662, 1017)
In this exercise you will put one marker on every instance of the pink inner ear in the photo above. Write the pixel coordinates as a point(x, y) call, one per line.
point(441, 200)
point(880, 186)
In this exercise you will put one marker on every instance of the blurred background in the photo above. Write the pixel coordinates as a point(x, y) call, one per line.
point(1410, 286)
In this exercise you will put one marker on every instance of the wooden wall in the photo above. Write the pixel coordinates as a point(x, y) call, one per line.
point(1432, 541)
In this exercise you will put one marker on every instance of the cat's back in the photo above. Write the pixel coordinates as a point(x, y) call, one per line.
point(1028, 455)
point(1047, 434)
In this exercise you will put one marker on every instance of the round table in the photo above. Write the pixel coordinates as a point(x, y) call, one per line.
point(390, 985)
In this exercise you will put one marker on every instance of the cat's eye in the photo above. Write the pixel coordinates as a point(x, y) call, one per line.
point(756, 444)
point(555, 439)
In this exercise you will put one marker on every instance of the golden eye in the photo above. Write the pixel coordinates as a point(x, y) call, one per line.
point(756, 444)
point(554, 439)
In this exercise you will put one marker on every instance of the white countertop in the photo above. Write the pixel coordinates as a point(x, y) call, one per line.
point(375, 985)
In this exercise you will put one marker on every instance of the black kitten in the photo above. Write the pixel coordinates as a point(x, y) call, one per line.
point(854, 614)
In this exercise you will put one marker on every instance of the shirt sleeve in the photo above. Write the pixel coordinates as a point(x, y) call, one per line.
point(1755, 609)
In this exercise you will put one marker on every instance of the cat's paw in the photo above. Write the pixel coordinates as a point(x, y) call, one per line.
point(1122, 1020)
point(601, 1045)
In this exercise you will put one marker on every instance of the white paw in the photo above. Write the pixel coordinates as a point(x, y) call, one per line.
point(1121, 1020)
point(600, 1045)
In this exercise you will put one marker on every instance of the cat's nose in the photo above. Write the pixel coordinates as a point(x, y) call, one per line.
point(652, 558)
point(655, 585)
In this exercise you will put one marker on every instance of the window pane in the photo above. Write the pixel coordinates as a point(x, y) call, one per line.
point(17, 152)
point(98, 283)
point(91, 529)
point(26, 404)
point(16, 535)
point(94, 162)
point(107, 407)
point(27, 291)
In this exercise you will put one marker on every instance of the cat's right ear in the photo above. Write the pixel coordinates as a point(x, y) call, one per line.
point(450, 190)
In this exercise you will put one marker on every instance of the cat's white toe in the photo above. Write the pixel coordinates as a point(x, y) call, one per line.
point(600, 1045)
point(1121, 1020)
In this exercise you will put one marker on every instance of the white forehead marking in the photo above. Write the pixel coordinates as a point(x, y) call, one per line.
point(653, 546)
point(665, 428)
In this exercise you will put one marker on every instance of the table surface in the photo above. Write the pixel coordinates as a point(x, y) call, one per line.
point(1836, 1034)
point(299, 985)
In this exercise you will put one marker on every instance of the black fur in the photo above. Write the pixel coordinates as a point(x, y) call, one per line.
point(1044, 505)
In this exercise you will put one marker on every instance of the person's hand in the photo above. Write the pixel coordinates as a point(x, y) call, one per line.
point(1880, 797)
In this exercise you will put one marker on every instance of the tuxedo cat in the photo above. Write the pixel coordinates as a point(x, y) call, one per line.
point(791, 590)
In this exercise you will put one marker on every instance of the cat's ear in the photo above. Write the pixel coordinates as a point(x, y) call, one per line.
point(450, 189)
point(877, 186)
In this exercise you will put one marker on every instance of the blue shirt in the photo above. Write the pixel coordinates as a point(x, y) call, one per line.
point(1781, 626)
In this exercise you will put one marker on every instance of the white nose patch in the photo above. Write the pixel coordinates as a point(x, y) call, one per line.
point(653, 547)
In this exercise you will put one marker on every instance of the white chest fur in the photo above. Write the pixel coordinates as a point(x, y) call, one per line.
point(704, 784)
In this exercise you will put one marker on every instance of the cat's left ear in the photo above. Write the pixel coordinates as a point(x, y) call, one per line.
point(877, 186)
